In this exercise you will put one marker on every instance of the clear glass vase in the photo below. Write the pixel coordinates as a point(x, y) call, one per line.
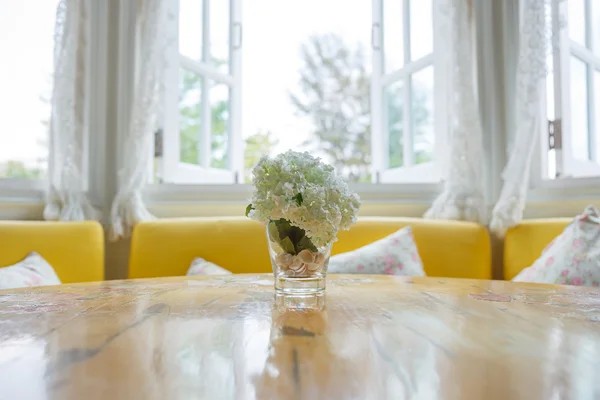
point(299, 267)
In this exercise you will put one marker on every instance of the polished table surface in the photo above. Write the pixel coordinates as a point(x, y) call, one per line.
point(370, 337)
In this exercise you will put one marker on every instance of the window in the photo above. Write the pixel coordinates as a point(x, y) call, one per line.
point(404, 76)
point(201, 136)
point(26, 43)
point(355, 88)
point(573, 91)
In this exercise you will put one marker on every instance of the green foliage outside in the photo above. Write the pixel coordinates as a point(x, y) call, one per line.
point(18, 170)
point(335, 93)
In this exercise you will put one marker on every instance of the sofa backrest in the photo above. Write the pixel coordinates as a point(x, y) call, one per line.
point(524, 243)
point(166, 247)
point(74, 249)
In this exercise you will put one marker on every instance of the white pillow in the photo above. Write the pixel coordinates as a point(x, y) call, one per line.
point(573, 257)
point(395, 254)
point(32, 271)
point(202, 267)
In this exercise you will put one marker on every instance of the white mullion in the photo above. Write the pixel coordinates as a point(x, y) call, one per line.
point(201, 68)
point(378, 133)
point(558, 89)
point(562, 92)
point(236, 142)
point(406, 31)
point(407, 140)
point(591, 115)
point(587, 15)
point(584, 54)
point(171, 145)
point(440, 90)
point(408, 69)
point(593, 131)
point(205, 110)
point(407, 151)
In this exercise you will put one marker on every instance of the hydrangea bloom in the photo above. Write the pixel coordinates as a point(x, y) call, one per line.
point(306, 192)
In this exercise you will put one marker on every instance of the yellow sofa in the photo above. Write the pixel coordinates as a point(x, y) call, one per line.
point(524, 243)
point(74, 249)
point(166, 247)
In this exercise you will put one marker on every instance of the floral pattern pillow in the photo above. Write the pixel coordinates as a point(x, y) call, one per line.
point(32, 271)
point(395, 254)
point(573, 257)
point(201, 267)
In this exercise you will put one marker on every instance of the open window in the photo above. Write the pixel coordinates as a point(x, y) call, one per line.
point(573, 91)
point(373, 113)
point(406, 97)
point(201, 135)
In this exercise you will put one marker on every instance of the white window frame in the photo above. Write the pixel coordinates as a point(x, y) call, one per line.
point(174, 171)
point(569, 166)
point(429, 172)
point(573, 182)
point(206, 190)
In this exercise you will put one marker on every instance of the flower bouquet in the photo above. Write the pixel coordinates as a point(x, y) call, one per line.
point(303, 203)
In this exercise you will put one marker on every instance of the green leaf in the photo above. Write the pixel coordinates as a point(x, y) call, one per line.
point(284, 228)
point(287, 246)
point(298, 198)
point(305, 244)
point(248, 209)
point(273, 232)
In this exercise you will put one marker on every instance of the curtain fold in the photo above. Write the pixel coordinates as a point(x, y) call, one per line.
point(128, 207)
point(65, 197)
point(463, 194)
point(534, 36)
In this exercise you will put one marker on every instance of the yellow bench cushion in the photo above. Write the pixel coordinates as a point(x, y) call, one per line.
point(166, 247)
point(74, 249)
point(524, 243)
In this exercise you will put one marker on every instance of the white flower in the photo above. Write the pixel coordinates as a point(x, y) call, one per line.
point(303, 190)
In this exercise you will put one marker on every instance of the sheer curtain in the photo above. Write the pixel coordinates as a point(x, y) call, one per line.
point(534, 35)
point(128, 206)
point(463, 194)
point(66, 200)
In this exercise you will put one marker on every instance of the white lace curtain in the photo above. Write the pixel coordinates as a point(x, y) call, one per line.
point(128, 207)
point(66, 200)
point(531, 68)
point(462, 197)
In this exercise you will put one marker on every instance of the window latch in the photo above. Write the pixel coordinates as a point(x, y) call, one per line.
point(238, 34)
point(376, 30)
point(555, 134)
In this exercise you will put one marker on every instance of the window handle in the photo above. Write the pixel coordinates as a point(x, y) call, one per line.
point(237, 30)
point(375, 30)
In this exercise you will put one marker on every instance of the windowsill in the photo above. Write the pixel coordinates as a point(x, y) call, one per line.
point(566, 189)
point(231, 194)
point(21, 191)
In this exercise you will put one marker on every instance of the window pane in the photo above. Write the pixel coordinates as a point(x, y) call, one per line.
point(26, 45)
point(393, 38)
point(190, 28)
point(220, 117)
point(597, 113)
point(394, 110)
point(595, 17)
point(579, 109)
point(422, 115)
point(307, 81)
point(421, 28)
point(190, 98)
point(219, 34)
point(577, 21)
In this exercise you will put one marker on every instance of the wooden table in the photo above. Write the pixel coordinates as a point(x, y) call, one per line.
point(374, 338)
